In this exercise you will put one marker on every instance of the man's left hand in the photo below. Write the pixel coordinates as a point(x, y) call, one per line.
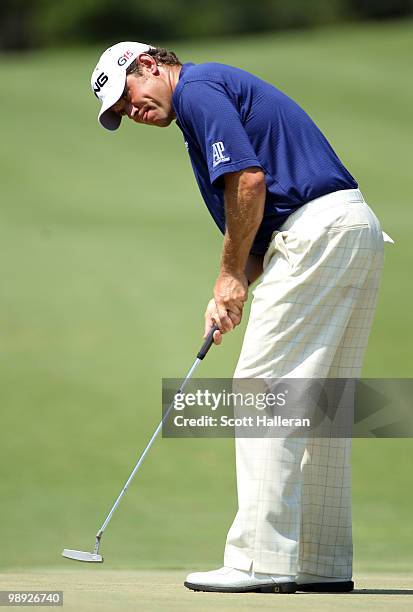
point(230, 294)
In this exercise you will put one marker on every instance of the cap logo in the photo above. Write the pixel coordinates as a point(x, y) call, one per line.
point(124, 58)
point(99, 83)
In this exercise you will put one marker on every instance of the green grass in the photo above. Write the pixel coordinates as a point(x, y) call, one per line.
point(96, 588)
point(108, 257)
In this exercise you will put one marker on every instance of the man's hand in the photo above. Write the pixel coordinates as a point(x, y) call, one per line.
point(230, 294)
point(225, 308)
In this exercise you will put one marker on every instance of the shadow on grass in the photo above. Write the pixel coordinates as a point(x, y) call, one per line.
point(381, 592)
point(362, 592)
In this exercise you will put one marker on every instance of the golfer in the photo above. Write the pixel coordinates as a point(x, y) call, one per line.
point(294, 220)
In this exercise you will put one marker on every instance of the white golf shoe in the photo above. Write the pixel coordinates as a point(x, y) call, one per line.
point(230, 580)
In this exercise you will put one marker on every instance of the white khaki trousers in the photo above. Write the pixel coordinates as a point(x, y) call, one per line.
point(310, 317)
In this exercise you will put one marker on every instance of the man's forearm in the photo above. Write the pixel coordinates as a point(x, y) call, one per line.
point(244, 209)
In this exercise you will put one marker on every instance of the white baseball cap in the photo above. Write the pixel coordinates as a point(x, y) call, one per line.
point(109, 76)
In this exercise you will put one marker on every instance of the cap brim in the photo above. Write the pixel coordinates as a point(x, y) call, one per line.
point(107, 118)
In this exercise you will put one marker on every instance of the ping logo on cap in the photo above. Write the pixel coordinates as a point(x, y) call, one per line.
point(99, 83)
point(124, 58)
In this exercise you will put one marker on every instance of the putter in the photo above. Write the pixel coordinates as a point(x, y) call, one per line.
point(95, 557)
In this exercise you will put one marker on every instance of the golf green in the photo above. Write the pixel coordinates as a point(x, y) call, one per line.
point(108, 591)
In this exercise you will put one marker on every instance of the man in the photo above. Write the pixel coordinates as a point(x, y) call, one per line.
point(293, 217)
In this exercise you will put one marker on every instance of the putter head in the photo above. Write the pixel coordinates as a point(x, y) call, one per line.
point(80, 555)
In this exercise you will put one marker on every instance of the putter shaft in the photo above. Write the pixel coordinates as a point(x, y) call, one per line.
point(201, 354)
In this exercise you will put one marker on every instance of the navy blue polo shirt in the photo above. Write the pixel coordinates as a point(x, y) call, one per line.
point(232, 120)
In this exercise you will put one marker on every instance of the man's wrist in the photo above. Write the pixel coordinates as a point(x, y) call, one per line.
point(232, 270)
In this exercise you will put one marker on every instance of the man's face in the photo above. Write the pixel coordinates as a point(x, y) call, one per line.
point(148, 98)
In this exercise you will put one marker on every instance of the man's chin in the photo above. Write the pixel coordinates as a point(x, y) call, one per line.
point(163, 122)
point(157, 122)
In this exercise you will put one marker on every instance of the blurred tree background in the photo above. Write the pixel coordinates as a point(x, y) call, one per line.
point(27, 24)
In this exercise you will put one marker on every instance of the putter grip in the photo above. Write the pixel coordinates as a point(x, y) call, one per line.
point(209, 340)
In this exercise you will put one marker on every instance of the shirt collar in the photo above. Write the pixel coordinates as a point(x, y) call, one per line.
point(185, 68)
point(176, 94)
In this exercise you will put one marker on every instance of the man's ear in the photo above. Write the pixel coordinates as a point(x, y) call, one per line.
point(148, 62)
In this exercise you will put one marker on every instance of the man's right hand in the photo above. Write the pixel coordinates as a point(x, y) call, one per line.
point(211, 318)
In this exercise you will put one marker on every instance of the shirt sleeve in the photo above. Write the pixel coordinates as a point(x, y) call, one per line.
point(215, 123)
